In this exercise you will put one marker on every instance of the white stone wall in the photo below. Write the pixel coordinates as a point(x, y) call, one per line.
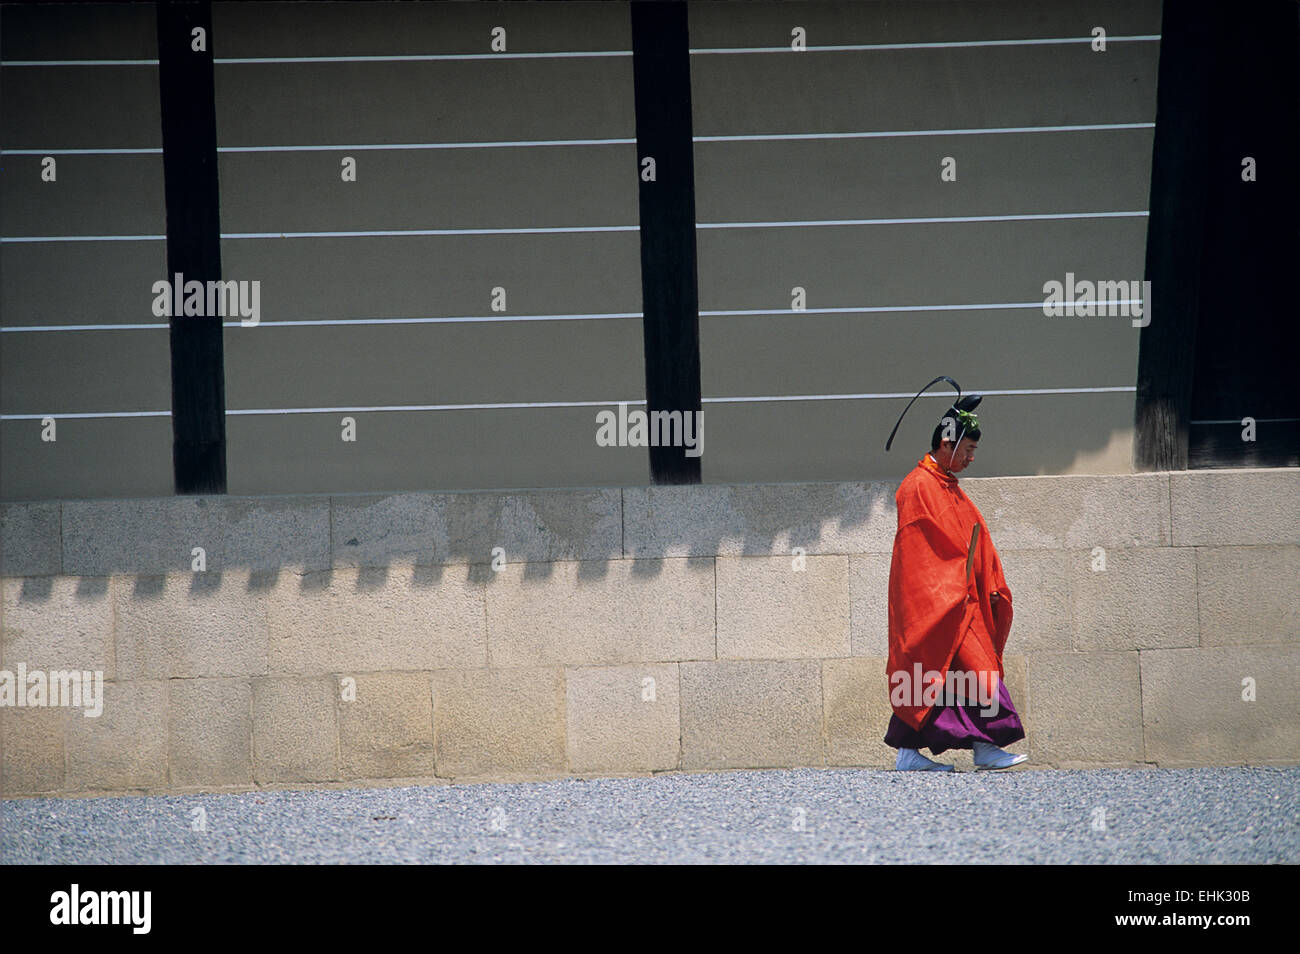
point(627, 630)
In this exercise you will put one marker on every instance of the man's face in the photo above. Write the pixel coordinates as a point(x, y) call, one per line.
point(959, 459)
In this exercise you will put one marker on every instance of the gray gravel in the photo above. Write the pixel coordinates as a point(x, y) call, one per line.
point(1202, 815)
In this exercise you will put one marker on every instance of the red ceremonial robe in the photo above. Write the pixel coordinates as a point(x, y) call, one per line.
point(936, 619)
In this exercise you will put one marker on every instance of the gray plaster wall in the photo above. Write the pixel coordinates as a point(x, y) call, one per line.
point(818, 364)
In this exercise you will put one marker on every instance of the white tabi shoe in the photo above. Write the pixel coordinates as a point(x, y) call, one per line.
point(989, 756)
point(910, 760)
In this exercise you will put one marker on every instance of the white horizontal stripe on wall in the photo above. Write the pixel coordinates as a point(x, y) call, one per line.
point(580, 54)
point(403, 233)
point(1258, 420)
point(237, 412)
point(533, 143)
point(614, 315)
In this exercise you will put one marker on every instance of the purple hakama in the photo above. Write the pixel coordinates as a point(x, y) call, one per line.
point(959, 727)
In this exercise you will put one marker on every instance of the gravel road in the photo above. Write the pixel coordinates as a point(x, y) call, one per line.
point(1109, 816)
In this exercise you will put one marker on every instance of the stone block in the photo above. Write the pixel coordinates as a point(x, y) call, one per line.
point(58, 622)
point(31, 751)
point(372, 530)
point(461, 528)
point(543, 526)
point(210, 733)
point(295, 730)
point(751, 714)
point(1086, 709)
point(376, 620)
point(1040, 600)
point(274, 533)
point(499, 722)
point(623, 719)
point(387, 730)
point(1144, 599)
point(588, 614)
point(1236, 507)
point(29, 539)
point(1196, 713)
point(190, 625)
point(769, 610)
point(869, 603)
point(1073, 512)
point(857, 711)
point(1248, 595)
point(759, 519)
point(144, 536)
point(125, 747)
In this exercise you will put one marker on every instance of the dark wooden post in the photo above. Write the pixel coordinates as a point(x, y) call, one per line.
point(189, 136)
point(662, 79)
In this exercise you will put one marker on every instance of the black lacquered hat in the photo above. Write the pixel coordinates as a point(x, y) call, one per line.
point(960, 412)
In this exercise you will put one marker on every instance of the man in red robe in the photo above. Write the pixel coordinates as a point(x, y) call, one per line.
point(949, 614)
